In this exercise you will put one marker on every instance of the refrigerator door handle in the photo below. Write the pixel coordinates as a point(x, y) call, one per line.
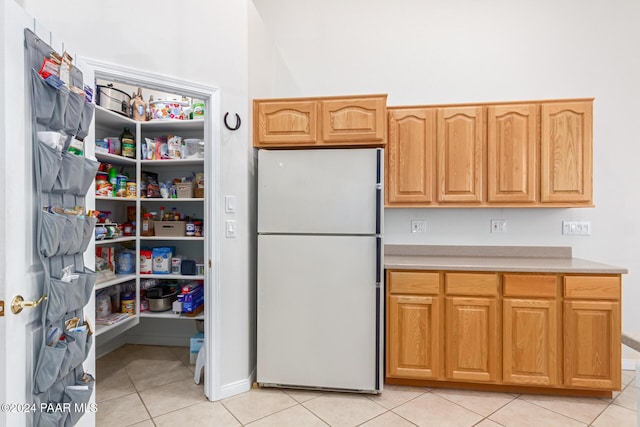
point(378, 191)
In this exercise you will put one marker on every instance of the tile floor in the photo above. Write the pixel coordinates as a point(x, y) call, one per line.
point(153, 386)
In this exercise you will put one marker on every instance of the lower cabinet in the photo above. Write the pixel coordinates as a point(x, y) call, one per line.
point(548, 331)
point(471, 327)
point(530, 325)
point(592, 332)
point(414, 325)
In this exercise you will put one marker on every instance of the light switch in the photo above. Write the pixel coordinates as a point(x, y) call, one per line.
point(230, 228)
point(230, 204)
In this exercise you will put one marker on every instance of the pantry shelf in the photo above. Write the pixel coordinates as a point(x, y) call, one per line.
point(109, 119)
point(120, 279)
point(184, 199)
point(180, 238)
point(115, 159)
point(171, 276)
point(116, 240)
point(101, 329)
point(172, 162)
point(116, 199)
point(174, 126)
point(170, 315)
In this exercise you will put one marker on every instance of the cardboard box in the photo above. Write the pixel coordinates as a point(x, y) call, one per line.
point(170, 228)
point(196, 342)
point(185, 190)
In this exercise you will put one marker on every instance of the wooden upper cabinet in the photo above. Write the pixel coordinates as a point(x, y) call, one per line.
point(354, 120)
point(290, 123)
point(460, 141)
point(410, 156)
point(512, 142)
point(320, 122)
point(566, 152)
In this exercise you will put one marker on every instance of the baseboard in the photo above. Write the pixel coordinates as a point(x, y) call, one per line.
point(237, 387)
point(107, 347)
point(171, 341)
point(629, 364)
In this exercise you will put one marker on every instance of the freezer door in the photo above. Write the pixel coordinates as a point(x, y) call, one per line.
point(317, 312)
point(318, 191)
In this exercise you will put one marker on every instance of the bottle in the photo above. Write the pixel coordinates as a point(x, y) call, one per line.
point(128, 143)
point(147, 225)
point(113, 180)
point(161, 213)
point(149, 113)
point(139, 107)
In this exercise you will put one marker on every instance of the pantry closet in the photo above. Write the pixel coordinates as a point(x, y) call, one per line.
point(144, 309)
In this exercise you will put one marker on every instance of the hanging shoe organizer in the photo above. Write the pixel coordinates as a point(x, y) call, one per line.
point(64, 230)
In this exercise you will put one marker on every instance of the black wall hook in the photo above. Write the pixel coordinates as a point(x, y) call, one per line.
point(238, 122)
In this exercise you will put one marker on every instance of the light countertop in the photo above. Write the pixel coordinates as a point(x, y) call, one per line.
point(528, 259)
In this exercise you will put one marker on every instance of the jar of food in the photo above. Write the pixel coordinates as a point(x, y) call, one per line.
point(190, 229)
point(128, 303)
point(197, 230)
point(128, 229)
point(147, 225)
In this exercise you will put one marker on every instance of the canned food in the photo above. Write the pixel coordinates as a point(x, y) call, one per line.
point(131, 189)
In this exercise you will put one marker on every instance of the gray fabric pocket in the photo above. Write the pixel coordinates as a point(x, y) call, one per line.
point(51, 419)
point(75, 355)
point(50, 160)
point(51, 233)
point(85, 120)
point(72, 113)
point(49, 364)
point(78, 399)
point(60, 105)
point(89, 228)
point(71, 173)
point(68, 236)
point(89, 169)
point(45, 96)
point(65, 297)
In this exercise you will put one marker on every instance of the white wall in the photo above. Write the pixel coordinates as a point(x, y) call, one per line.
point(443, 51)
point(204, 41)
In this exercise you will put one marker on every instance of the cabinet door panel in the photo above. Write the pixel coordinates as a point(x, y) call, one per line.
point(512, 145)
point(410, 156)
point(286, 123)
point(592, 344)
point(413, 341)
point(530, 342)
point(354, 120)
point(459, 152)
point(472, 337)
point(566, 152)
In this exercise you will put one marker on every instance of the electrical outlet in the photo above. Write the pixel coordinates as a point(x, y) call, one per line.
point(576, 228)
point(498, 225)
point(418, 225)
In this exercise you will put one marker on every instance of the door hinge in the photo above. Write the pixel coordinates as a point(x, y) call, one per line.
point(1, 308)
point(209, 263)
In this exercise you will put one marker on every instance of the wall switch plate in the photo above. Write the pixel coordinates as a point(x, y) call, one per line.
point(418, 225)
point(230, 204)
point(230, 228)
point(576, 228)
point(498, 225)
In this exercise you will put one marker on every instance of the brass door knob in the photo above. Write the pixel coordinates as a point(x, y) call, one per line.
point(18, 303)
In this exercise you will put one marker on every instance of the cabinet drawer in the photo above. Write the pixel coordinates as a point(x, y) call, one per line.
point(413, 282)
point(596, 287)
point(530, 285)
point(472, 284)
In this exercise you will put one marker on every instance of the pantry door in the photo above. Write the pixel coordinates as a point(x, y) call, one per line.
point(20, 268)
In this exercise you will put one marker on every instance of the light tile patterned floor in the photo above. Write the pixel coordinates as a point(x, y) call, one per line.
point(153, 386)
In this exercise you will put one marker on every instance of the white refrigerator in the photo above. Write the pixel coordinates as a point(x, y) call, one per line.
point(320, 307)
